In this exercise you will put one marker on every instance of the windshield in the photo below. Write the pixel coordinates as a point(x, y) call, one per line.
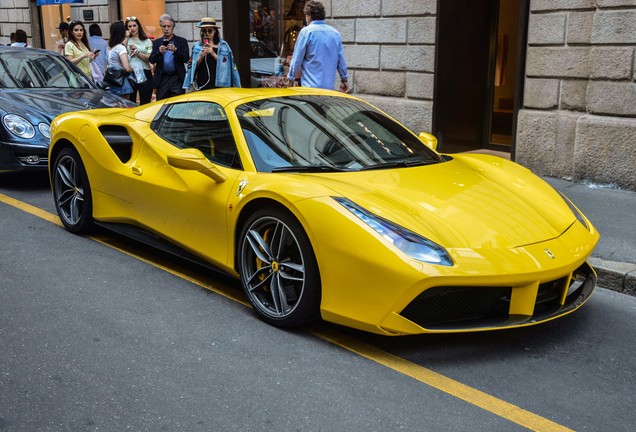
point(322, 133)
point(38, 69)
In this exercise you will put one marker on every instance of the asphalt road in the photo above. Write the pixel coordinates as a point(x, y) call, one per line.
point(94, 338)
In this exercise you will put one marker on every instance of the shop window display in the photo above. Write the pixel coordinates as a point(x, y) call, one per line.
point(274, 28)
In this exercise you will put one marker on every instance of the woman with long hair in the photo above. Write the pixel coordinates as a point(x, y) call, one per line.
point(212, 60)
point(77, 49)
point(118, 57)
point(139, 48)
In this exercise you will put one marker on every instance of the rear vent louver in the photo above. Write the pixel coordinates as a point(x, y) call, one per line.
point(119, 140)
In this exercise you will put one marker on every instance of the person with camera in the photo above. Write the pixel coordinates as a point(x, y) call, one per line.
point(169, 54)
point(212, 62)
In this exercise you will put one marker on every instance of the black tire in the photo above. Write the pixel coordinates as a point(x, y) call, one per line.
point(72, 192)
point(278, 269)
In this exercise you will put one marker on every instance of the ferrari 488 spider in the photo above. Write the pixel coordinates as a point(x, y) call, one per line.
point(324, 206)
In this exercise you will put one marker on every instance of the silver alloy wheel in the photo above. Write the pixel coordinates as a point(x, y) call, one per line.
point(273, 267)
point(69, 190)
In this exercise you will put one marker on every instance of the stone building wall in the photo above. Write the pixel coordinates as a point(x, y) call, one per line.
point(390, 51)
point(14, 14)
point(579, 110)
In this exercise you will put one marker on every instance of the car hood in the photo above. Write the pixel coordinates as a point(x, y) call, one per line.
point(46, 103)
point(468, 202)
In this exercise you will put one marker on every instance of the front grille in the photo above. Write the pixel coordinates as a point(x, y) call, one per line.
point(453, 308)
point(440, 306)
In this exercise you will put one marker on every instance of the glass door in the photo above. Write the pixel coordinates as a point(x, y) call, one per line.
point(505, 74)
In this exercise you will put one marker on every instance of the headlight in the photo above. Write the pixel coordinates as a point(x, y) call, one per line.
point(18, 126)
point(577, 214)
point(414, 245)
point(45, 129)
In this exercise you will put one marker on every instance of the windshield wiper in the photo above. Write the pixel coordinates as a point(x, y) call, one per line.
point(403, 163)
point(310, 169)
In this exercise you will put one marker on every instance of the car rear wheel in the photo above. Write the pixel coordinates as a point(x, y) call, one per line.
point(72, 192)
point(278, 269)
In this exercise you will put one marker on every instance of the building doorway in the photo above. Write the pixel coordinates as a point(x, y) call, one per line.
point(51, 17)
point(478, 73)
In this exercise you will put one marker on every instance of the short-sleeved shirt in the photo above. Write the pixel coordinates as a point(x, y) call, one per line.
point(70, 49)
point(143, 46)
point(114, 60)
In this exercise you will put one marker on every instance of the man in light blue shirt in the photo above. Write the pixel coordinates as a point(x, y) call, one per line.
point(318, 52)
point(97, 42)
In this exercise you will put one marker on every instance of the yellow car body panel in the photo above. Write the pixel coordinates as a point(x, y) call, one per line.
point(501, 225)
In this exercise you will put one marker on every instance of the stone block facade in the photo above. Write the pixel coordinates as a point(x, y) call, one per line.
point(579, 109)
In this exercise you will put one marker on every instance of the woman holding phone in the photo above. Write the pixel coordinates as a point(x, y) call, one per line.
point(139, 48)
point(77, 49)
point(212, 61)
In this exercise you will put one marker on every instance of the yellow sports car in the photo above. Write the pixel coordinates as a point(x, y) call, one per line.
point(325, 207)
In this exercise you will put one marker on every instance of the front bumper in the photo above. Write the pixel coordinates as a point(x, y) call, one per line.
point(19, 157)
point(474, 308)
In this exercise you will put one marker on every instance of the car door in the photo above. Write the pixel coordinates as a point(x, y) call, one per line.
point(184, 205)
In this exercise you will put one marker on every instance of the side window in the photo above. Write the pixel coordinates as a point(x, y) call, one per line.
point(200, 125)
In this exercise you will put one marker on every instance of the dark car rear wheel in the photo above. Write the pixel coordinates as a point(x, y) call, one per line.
point(278, 269)
point(72, 192)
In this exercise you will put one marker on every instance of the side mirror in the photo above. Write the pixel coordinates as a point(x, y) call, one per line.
point(429, 140)
point(194, 160)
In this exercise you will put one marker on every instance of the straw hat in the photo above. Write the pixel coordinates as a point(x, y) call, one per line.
point(208, 22)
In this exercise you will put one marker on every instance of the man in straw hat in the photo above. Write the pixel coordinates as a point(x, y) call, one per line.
point(212, 63)
point(169, 54)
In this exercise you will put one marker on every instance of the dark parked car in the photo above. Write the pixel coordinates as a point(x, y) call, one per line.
point(35, 86)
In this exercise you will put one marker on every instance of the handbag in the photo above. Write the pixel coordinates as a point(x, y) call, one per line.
point(115, 77)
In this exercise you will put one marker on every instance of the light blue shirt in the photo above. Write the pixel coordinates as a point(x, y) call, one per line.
point(318, 54)
point(97, 42)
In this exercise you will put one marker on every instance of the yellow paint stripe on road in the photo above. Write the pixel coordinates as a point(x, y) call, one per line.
point(426, 376)
point(31, 209)
point(461, 391)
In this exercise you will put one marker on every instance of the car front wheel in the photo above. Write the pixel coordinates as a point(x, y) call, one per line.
point(72, 192)
point(278, 269)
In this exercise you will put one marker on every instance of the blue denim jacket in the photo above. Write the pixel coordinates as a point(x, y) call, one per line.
point(226, 72)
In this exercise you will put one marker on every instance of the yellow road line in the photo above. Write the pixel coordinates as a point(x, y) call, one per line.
point(447, 385)
point(433, 379)
point(31, 209)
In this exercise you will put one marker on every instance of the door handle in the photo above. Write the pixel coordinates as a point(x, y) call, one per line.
point(137, 170)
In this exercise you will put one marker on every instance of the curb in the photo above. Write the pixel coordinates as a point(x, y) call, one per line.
point(615, 276)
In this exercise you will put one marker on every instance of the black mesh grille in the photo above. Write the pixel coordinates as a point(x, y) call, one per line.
point(451, 305)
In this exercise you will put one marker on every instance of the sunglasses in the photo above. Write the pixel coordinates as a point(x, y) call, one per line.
point(210, 30)
point(132, 18)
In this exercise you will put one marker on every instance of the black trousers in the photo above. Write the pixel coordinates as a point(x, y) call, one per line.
point(170, 85)
point(144, 90)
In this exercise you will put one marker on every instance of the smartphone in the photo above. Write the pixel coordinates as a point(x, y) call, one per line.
point(96, 51)
point(165, 42)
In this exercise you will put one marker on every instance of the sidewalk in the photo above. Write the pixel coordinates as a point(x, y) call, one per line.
point(613, 213)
